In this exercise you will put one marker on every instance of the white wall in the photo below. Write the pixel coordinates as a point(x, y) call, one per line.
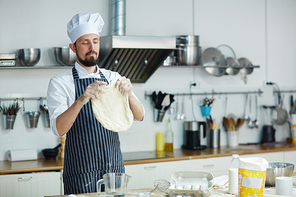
point(255, 29)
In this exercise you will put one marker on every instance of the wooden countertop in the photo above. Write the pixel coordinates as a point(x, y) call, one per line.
point(7, 167)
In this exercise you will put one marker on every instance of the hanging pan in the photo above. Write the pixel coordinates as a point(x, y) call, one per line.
point(214, 61)
point(232, 63)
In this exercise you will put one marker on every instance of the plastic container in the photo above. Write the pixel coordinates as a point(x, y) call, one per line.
point(169, 138)
point(159, 141)
point(233, 175)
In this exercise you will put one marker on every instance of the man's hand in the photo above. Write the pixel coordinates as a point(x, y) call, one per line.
point(92, 92)
point(124, 86)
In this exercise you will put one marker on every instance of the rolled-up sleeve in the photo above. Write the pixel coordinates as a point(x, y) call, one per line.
point(57, 101)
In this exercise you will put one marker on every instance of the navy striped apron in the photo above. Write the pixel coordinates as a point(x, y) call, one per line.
point(90, 149)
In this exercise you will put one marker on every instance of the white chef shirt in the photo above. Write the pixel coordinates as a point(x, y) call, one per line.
point(61, 91)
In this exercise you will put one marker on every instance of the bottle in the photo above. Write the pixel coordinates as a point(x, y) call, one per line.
point(159, 141)
point(293, 129)
point(233, 175)
point(169, 138)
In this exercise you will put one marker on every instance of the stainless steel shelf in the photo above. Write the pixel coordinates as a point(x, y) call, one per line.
point(35, 67)
point(201, 66)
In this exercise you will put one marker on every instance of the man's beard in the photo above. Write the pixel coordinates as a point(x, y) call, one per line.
point(88, 62)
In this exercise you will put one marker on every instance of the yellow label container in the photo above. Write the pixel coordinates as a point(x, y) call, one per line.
point(294, 134)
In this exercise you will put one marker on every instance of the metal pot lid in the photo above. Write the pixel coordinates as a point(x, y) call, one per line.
point(244, 62)
point(211, 59)
point(232, 63)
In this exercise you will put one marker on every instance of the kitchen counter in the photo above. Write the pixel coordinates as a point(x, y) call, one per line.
point(7, 167)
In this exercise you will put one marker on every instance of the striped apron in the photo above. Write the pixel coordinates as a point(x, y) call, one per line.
point(90, 149)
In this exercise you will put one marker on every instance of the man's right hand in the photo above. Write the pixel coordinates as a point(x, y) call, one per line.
point(92, 92)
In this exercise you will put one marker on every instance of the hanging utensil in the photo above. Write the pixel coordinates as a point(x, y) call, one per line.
point(214, 61)
point(250, 122)
point(183, 109)
point(165, 102)
point(256, 122)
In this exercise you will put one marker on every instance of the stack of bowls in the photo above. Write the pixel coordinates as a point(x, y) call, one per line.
point(188, 51)
point(64, 56)
point(29, 56)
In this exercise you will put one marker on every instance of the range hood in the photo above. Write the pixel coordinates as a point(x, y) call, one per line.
point(135, 57)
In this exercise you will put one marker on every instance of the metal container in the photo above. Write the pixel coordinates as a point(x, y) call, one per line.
point(29, 56)
point(32, 118)
point(277, 169)
point(188, 51)
point(214, 138)
point(64, 56)
point(9, 121)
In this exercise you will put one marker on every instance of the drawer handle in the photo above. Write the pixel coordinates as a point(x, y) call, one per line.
point(24, 178)
point(149, 167)
point(208, 166)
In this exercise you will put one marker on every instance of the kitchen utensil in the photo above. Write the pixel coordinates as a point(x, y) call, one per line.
point(115, 184)
point(250, 122)
point(268, 131)
point(214, 61)
point(183, 116)
point(165, 102)
point(192, 135)
point(256, 122)
point(64, 56)
point(178, 115)
point(277, 169)
point(162, 184)
point(232, 62)
point(188, 51)
point(246, 64)
point(239, 123)
point(32, 118)
point(51, 153)
point(46, 118)
point(29, 56)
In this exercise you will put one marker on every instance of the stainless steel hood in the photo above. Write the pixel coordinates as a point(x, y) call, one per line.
point(135, 57)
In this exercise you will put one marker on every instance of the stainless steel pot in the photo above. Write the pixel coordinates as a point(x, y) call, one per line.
point(188, 51)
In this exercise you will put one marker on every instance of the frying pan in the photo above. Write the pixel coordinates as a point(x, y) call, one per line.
point(212, 59)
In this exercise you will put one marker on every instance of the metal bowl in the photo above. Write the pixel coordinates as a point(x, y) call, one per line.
point(64, 56)
point(29, 56)
point(277, 169)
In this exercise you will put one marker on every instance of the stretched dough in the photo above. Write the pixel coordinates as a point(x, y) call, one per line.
point(112, 109)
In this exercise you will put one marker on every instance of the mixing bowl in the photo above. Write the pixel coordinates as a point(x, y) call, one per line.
point(277, 169)
point(64, 56)
point(29, 56)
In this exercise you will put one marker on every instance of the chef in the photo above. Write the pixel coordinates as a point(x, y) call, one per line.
point(90, 149)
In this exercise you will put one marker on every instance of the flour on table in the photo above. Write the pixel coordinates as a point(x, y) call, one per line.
point(112, 109)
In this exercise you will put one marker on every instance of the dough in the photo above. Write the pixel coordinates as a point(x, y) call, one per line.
point(112, 109)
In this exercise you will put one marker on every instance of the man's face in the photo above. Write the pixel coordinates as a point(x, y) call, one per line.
point(87, 49)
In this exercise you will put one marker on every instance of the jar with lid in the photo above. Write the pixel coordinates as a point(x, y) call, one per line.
point(233, 175)
point(169, 138)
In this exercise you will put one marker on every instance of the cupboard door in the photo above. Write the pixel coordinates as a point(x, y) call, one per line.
point(290, 157)
point(30, 184)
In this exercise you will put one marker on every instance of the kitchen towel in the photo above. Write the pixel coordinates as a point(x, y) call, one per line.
point(22, 155)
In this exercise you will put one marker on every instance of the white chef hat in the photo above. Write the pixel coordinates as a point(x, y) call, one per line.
point(84, 23)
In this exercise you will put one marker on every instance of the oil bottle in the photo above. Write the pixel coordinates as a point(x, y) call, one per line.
point(169, 138)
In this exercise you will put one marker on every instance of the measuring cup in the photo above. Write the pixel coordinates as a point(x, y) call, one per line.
point(115, 184)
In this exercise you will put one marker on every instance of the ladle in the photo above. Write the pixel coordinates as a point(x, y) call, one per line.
point(256, 122)
point(250, 122)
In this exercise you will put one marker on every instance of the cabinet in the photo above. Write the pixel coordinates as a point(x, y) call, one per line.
point(30, 184)
point(290, 157)
point(144, 175)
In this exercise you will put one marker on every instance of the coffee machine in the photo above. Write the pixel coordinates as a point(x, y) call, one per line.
point(192, 135)
point(268, 131)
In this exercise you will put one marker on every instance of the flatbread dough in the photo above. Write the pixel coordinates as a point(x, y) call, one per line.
point(112, 109)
